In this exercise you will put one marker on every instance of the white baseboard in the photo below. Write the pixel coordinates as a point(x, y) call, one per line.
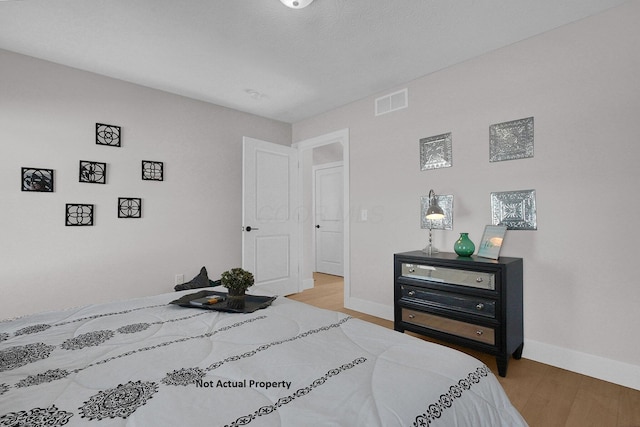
point(624, 374)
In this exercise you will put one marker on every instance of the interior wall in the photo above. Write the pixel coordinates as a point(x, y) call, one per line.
point(191, 219)
point(329, 153)
point(579, 82)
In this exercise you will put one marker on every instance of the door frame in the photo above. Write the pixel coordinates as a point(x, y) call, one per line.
point(342, 137)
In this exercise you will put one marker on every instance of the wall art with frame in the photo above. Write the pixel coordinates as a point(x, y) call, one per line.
point(445, 201)
point(515, 209)
point(436, 152)
point(37, 179)
point(109, 135)
point(93, 172)
point(511, 140)
point(77, 215)
point(129, 207)
point(152, 170)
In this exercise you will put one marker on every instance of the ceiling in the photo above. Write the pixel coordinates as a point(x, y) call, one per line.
point(261, 57)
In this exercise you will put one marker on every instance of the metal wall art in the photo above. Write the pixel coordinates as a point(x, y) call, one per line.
point(445, 201)
point(435, 152)
point(93, 172)
point(79, 215)
point(152, 171)
point(511, 140)
point(108, 135)
point(129, 207)
point(515, 209)
point(36, 179)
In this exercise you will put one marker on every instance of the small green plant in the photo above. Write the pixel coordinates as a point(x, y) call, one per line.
point(237, 279)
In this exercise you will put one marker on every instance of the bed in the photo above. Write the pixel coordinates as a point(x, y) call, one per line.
point(145, 362)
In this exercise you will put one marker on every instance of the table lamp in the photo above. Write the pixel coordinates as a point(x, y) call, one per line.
point(434, 212)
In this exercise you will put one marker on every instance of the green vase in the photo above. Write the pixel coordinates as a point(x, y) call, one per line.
point(464, 246)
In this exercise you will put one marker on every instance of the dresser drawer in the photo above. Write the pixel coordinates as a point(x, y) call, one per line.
point(474, 279)
point(446, 300)
point(455, 327)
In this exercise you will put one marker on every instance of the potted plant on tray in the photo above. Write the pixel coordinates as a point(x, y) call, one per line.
point(237, 281)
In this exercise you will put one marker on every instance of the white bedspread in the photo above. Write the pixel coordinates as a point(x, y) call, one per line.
point(145, 363)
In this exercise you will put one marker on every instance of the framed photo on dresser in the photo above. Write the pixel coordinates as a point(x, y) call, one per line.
point(492, 241)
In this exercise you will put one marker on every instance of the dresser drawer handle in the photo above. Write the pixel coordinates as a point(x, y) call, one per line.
point(411, 293)
point(479, 306)
point(479, 279)
point(412, 270)
point(479, 332)
point(412, 316)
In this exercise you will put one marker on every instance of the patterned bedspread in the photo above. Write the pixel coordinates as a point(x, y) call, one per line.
point(143, 362)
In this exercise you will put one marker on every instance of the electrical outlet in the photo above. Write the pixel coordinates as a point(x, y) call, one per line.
point(179, 279)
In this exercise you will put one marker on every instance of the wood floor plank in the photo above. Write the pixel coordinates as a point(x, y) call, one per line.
point(552, 399)
point(629, 408)
point(596, 404)
point(522, 380)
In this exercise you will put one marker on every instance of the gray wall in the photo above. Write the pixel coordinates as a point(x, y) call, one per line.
point(580, 82)
point(193, 218)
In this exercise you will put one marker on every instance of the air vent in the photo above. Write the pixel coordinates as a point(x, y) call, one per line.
point(393, 102)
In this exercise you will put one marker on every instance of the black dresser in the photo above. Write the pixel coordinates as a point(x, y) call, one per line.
point(470, 301)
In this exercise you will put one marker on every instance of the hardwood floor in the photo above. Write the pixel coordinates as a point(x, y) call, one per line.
point(546, 396)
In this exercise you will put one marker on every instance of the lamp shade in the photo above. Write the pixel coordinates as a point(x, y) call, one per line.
point(434, 211)
point(296, 4)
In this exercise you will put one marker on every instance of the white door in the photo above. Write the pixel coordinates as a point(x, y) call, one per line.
point(269, 216)
point(329, 219)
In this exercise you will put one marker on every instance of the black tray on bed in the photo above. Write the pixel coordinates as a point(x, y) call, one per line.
point(251, 304)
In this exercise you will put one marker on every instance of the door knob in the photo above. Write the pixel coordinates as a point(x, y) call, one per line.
point(249, 228)
point(317, 225)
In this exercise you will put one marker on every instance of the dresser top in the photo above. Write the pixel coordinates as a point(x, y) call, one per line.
point(450, 256)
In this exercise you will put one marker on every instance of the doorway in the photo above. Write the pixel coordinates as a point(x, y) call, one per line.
point(321, 147)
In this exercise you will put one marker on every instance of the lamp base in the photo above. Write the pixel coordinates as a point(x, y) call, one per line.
point(430, 250)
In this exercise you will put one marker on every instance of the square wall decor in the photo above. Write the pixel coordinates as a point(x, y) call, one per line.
point(78, 215)
point(445, 201)
point(515, 209)
point(129, 207)
point(93, 172)
point(435, 152)
point(108, 135)
point(152, 171)
point(35, 179)
point(511, 140)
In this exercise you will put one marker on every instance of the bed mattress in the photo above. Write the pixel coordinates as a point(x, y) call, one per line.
point(144, 362)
